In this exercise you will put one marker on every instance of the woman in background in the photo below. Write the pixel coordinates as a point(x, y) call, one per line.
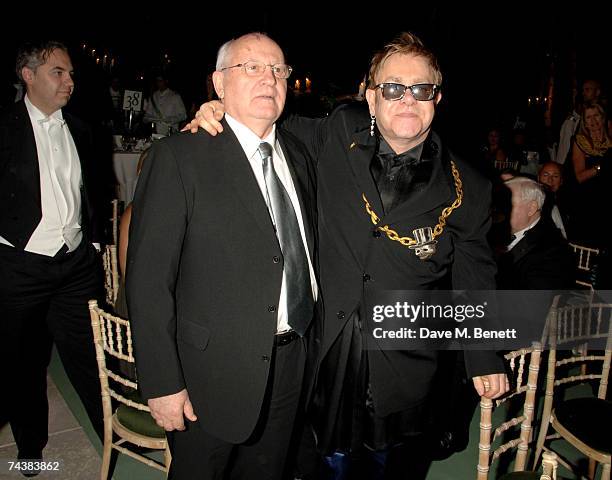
point(591, 159)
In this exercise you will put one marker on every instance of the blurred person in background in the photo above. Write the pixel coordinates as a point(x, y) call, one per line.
point(165, 108)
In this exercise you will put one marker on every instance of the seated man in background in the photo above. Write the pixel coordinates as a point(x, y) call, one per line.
point(538, 257)
point(551, 176)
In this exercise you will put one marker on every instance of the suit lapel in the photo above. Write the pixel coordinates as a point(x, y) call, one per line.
point(527, 243)
point(438, 193)
point(25, 153)
point(235, 166)
point(299, 173)
point(360, 154)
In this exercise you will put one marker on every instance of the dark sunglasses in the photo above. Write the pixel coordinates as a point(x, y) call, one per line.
point(422, 92)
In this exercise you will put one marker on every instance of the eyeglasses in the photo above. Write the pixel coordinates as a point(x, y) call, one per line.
point(256, 69)
point(422, 92)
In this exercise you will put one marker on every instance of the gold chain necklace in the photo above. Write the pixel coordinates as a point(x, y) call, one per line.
point(426, 238)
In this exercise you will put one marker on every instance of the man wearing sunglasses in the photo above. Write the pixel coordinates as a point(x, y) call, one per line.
point(396, 211)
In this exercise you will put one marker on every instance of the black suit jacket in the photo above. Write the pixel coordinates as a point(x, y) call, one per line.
point(356, 260)
point(204, 276)
point(541, 260)
point(21, 210)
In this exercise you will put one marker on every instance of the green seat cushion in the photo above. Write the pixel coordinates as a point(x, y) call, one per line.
point(137, 420)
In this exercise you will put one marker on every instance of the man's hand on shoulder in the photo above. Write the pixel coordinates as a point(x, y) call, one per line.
point(169, 411)
point(207, 117)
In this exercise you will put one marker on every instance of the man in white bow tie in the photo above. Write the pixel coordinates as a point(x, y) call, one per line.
point(48, 264)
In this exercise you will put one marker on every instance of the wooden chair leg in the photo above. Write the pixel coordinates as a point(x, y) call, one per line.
point(167, 458)
point(106, 457)
point(605, 474)
point(484, 444)
point(592, 468)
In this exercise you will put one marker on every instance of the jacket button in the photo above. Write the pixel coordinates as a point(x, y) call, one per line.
point(376, 233)
point(276, 259)
point(366, 277)
point(271, 308)
point(265, 358)
point(340, 314)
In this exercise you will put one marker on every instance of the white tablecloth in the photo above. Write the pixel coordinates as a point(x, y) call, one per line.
point(124, 164)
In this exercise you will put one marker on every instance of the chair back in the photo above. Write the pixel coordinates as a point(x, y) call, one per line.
point(580, 351)
point(585, 260)
point(575, 328)
point(504, 164)
point(111, 274)
point(523, 367)
point(131, 420)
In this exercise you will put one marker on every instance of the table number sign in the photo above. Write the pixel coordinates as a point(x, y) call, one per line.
point(132, 100)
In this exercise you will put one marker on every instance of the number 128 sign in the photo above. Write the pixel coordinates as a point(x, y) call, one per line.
point(132, 100)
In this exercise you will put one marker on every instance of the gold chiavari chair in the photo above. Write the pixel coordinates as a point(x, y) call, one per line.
point(585, 259)
point(584, 422)
point(524, 366)
point(131, 421)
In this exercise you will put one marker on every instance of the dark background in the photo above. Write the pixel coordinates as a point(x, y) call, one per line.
point(493, 57)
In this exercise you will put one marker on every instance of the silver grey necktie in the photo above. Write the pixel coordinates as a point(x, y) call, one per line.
point(297, 276)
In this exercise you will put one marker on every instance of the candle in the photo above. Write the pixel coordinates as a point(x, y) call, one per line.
point(362, 87)
point(308, 85)
point(361, 90)
point(297, 85)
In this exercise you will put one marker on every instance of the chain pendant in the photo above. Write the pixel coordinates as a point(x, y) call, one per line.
point(423, 243)
point(425, 246)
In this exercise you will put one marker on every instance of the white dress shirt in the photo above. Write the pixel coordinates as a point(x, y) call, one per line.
point(555, 214)
point(518, 236)
point(249, 142)
point(568, 130)
point(60, 185)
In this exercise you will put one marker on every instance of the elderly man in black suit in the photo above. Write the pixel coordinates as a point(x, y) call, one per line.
point(220, 281)
point(48, 265)
point(537, 257)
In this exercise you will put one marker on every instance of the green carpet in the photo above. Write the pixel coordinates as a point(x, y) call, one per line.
point(461, 466)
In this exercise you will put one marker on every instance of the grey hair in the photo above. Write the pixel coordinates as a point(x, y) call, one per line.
point(529, 189)
point(225, 49)
point(33, 55)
